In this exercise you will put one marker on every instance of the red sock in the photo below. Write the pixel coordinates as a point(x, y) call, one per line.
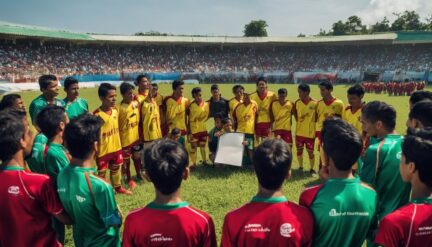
point(137, 164)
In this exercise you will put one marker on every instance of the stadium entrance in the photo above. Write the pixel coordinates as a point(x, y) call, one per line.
point(369, 76)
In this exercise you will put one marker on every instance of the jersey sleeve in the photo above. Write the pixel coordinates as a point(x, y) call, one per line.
point(308, 195)
point(49, 198)
point(33, 111)
point(106, 205)
point(210, 239)
point(226, 240)
point(388, 234)
point(127, 238)
point(368, 170)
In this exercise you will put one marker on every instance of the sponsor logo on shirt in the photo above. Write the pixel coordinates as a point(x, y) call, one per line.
point(334, 213)
point(14, 190)
point(80, 199)
point(286, 229)
point(399, 155)
point(61, 190)
point(158, 237)
point(424, 230)
point(256, 228)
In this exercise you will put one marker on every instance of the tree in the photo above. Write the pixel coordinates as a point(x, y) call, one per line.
point(354, 24)
point(256, 28)
point(340, 28)
point(407, 21)
point(382, 26)
point(301, 35)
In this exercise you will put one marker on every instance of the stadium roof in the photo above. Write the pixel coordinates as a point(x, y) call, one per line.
point(18, 31)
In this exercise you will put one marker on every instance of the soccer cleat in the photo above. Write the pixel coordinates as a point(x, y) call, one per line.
point(121, 190)
point(301, 168)
point(313, 173)
point(132, 184)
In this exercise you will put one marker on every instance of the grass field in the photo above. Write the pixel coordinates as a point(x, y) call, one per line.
point(218, 191)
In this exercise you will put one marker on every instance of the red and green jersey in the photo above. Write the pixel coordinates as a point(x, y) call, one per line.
point(90, 202)
point(410, 225)
point(56, 159)
point(28, 200)
point(39, 103)
point(36, 161)
point(381, 170)
point(175, 224)
point(77, 107)
point(268, 222)
point(344, 211)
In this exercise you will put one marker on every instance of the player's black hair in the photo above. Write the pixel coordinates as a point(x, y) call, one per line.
point(304, 87)
point(166, 160)
point(155, 85)
point(49, 119)
point(176, 84)
point(236, 87)
point(326, 84)
point(218, 115)
point(341, 142)
point(140, 77)
point(69, 81)
point(45, 81)
point(226, 120)
point(81, 134)
point(380, 111)
point(418, 96)
point(126, 87)
point(261, 78)
point(357, 89)
point(417, 148)
point(214, 87)
point(282, 91)
point(195, 90)
point(8, 101)
point(12, 129)
point(104, 89)
point(422, 111)
point(175, 131)
point(272, 161)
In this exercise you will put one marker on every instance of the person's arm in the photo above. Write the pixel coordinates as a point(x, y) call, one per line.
point(294, 111)
point(210, 235)
point(388, 234)
point(106, 205)
point(127, 240)
point(226, 239)
point(51, 203)
point(369, 168)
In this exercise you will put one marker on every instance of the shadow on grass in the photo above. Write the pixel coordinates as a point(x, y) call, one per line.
point(210, 171)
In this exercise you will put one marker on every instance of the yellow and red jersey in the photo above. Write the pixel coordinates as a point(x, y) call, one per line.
point(324, 110)
point(129, 117)
point(353, 118)
point(233, 103)
point(159, 99)
point(245, 116)
point(140, 97)
point(198, 115)
point(306, 118)
point(175, 113)
point(150, 117)
point(109, 133)
point(282, 115)
point(263, 103)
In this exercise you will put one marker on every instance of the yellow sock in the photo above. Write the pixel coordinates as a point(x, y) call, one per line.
point(300, 161)
point(312, 163)
point(193, 155)
point(102, 173)
point(115, 176)
point(203, 154)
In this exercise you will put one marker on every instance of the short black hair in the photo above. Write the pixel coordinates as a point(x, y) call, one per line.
point(140, 77)
point(226, 120)
point(104, 89)
point(175, 131)
point(12, 129)
point(154, 85)
point(418, 96)
point(417, 148)
point(218, 115)
point(49, 119)
point(69, 81)
point(357, 89)
point(261, 78)
point(282, 91)
point(272, 161)
point(166, 160)
point(126, 87)
point(195, 90)
point(176, 84)
point(81, 134)
point(326, 84)
point(8, 101)
point(341, 142)
point(380, 111)
point(214, 87)
point(236, 87)
point(304, 87)
point(422, 111)
point(45, 81)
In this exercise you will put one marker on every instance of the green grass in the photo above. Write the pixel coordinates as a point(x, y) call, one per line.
point(217, 191)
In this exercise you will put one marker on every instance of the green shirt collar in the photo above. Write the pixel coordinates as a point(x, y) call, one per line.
point(344, 180)
point(427, 200)
point(168, 206)
point(11, 168)
point(269, 199)
point(83, 169)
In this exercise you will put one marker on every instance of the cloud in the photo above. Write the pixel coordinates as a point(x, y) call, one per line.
point(376, 10)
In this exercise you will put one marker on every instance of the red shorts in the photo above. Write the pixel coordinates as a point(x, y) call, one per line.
point(127, 151)
point(164, 129)
point(305, 141)
point(112, 158)
point(285, 135)
point(262, 130)
point(200, 136)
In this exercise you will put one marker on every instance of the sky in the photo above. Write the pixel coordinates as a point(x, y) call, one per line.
point(200, 17)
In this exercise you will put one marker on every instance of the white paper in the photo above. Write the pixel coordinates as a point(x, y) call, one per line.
point(230, 149)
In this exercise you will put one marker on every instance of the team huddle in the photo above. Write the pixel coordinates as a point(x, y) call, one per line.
point(377, 185)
